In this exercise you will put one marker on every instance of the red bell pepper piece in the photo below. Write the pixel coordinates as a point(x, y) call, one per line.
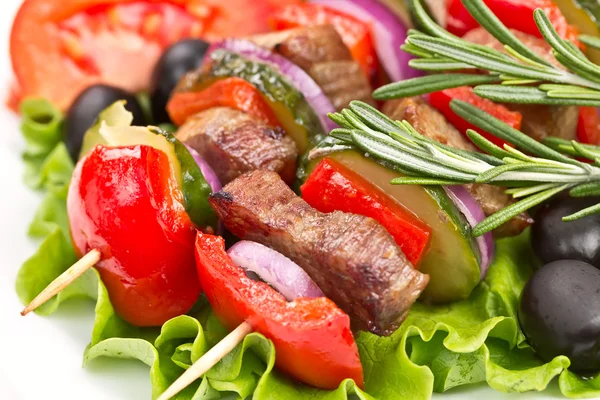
point(441, 100)
point(312, 337)
point(229, 92)
point(332, 186)
point(515, 14)
point(588, 126)
point(355, 33)
point(126, 203)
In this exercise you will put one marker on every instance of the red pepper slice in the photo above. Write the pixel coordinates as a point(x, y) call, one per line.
point(441, 100)
point(332, 186)
point(588, 126)
point(312, 337)
point(355, 33)
point(229, 92)
point(126, 203)
point(515, 14)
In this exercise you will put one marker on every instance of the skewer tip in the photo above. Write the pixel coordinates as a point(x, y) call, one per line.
point(65, 279)
point(208, 360)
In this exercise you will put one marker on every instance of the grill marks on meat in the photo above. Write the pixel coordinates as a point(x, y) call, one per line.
point(233, 142)
point(432, 124)
point(539, 121)
point(320, 51)
point(352, 258)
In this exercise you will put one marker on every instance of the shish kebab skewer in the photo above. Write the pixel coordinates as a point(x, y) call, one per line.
point(99, 166)
point(142, 243)
point(362, 269)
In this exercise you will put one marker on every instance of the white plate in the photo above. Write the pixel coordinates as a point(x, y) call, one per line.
point(41, 356)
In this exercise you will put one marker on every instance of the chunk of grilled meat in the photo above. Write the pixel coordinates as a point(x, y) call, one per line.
point(320, 51)
point(426, 120)
point(233, 142)
point(492, 199)
point(306, 46)
point(539, 121)
point(352, 258)
point(538, 45)
point(431, 123)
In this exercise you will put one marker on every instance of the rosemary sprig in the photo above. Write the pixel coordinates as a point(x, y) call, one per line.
point(439, 51)
point(532, 172)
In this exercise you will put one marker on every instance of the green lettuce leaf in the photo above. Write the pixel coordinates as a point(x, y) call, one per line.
point(577, 387)
point(42, 130)
point(436, 349)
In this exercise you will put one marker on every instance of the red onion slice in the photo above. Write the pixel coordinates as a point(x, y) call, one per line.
point(388, 30)
point(275, 269)
point(312, 92)
point(467, 205)
point(209, 174)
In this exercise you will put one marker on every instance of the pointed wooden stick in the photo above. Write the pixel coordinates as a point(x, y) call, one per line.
point(208, 360)
point(65, 279)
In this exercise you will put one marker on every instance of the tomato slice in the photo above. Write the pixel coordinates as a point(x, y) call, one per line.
point(230, 92)
point(355, 33)
point(58, 48)
point(515, 14)
point(441, 101)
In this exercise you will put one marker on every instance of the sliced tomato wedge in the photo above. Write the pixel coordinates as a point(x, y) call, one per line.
point(230, 92)
point(58, 48)
point(355, 33)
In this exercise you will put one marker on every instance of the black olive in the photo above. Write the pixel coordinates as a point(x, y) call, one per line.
point(86, 107)
point(180, 58)
point(553, 239)
point(560, 313)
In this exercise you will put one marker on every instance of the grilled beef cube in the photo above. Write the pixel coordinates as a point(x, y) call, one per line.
point(539, 121)
point(233, 142)
point(492, 199)
point(537, 45)
point(431, 123)
point(306, 46)
point(426, 120)
point(342, 82)
point(352, 258)
point(320, 51)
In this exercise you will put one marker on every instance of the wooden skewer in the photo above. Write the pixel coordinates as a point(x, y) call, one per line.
point(65, 279)
point(208, 360)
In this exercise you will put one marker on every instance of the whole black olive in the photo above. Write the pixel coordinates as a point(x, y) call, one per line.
point(86, 107)
point(560, 313)
point(176, 61)
point(553, 239)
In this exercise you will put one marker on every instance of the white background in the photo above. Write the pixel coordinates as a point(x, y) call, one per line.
point(40, 357)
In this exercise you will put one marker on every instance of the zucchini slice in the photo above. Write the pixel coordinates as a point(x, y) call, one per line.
point(113, 129)
point(452, 259)
point(293, 111)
